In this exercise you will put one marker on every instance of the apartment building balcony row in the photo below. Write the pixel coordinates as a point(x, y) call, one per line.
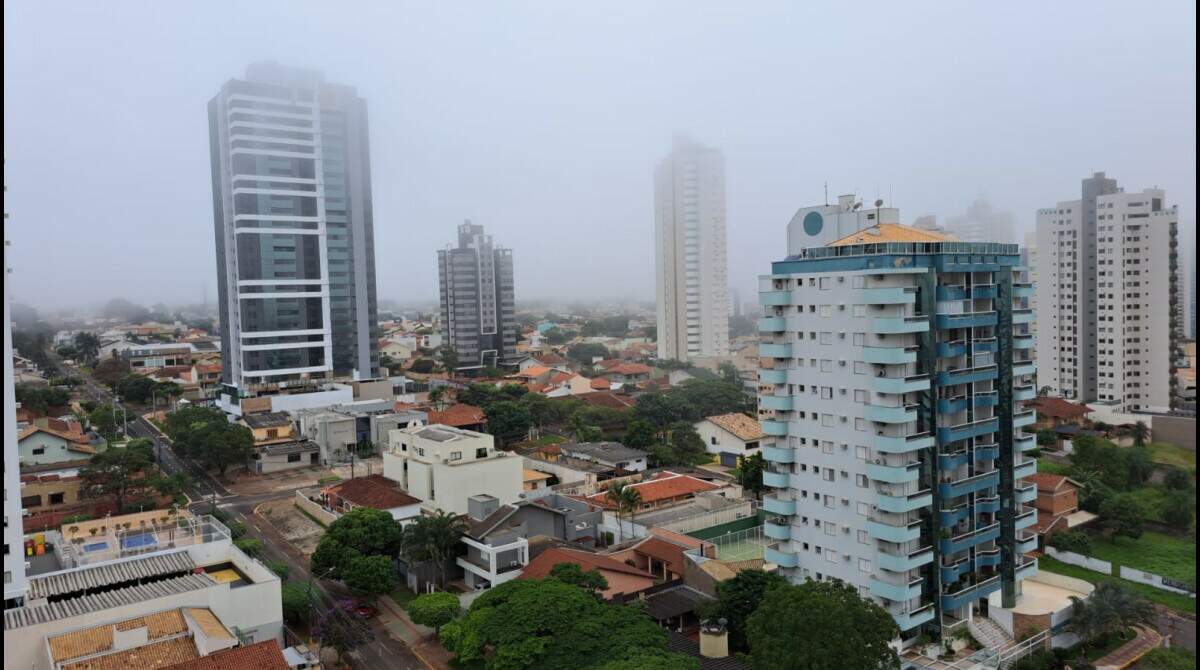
point(960, 403)
point(954, 488)
point(895, 325)
point(947, 518)
point(900, 385)
point(966, 320)
point(779, 554)
point(979, 454)
point(967, 375)
point(968, 430)
point(903, 561)
point(963, 541)
point(890, 355)
point(962, 292)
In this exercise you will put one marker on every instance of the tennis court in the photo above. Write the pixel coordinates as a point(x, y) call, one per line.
point(741, 545)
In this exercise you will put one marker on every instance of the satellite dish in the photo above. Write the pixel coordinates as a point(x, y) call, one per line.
point(879, 202)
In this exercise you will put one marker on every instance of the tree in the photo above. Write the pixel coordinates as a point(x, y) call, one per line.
point(449, 358)
point(685, 446)
point(110, 371)
point(626, 499)
point(434, 609)
point(120, 473)
point(1178, 479)
point(1178, 508)
point(641, 434)
point(737, 598)
point(1046, 437)
point(729, 373)
point(1140, 433)
point(508, 421)
point(432, 538)
point(341, 629)
point(819, 626)
point(40, 398)
point(423, 366)
point(1075, 541)
point(1110, 608)
point(87, 346)
point(136, 388)
point(437, 397)
point(579, 429)
point(364, 448)
point(103, 420)
point(370, 575)
point(204, 434)
point(749, 472)
point(570, 573)
point(584, 353)
point(296, 599)
point(551, 625)
point(555, 336)
point(360, 532)
point(1123, 514)
point(249, 546)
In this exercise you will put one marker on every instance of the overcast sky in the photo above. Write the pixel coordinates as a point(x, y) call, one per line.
point(543, 121)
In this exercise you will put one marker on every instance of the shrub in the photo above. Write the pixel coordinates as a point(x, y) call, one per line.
point(295, 599)
point(1178, 479)
point(1072, 540)
point(280, 568)
point(236, 529)
point(249, 546)
point(434, 609)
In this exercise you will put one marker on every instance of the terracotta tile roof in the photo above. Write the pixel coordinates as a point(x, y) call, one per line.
point(601, 384)
point(375, 491)
point(550, 359)
point(664, 486)
point(457, 416)
point(260, 656)
point(607, 399)
point(77, 438)
point(667, 552)
point(209, 623)
point(80, 643)
point(539, 568)
point(533, 475)
point(560, 377)
point(1057, 408)
point(741, 426)
point(1048, 483)
point(891, 232)
point(532, 372)
point(610, 363)
point(162, 624)
point(631, 369)
point(153, 656)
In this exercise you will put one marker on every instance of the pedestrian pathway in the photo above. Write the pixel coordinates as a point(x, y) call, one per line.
point(1127, 654)
point(420, 639)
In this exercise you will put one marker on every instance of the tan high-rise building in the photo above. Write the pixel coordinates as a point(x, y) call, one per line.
point(691, 284)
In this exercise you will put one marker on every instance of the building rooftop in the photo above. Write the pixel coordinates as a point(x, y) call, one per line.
point(891, 232)
point(259, 656)
point(457, 416)
point(739, 425)
point(267, 419)
point(539, 567)
point(608, 451)
point(100, 576)
point(664, 486)
point(375, 491)
point(20, 617)
point(1057, 408)
point(1048, 483)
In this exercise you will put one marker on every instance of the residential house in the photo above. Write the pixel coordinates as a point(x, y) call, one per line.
point(444, 466)
point(612, 455)
point(466, 417)
point(38, 445)
point(661, 553)
point(158, 355)
point(532, 480)
point(731, 436)
point(566, 470)
point(664, 489)
point(623, 580)
point(534, 374)
point(609, 399)
point(286, 456)
point(1055, 412)
point(624, 372)
point(270, 428)
point(1057, 504)
point(374, 492)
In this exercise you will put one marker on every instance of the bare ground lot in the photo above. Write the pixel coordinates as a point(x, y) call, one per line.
point(290, 480)
point(301, 531)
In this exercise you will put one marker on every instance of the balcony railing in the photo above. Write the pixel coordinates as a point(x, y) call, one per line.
point(953, 545)
point(1024, 392)
point(1022, 316)
point(894, 325)
point(772, 324)
point(890, 355)
point(897, 592)
point(1024, 368)
point(1024, 418)
point(1023, 342)
point(894, 474)
point(882, 414)
point(775, 428)
point(965, 431)
point(776, 402)
point(901, 503)
point(909, 384)
point(893, 533)
point(955, 600)
point(778, 480)
point(910, 619)
point(775, 298)
point(777, 554)
point(772, 376)
point(971, 484)
point(967, 320)
point(775, 350)
point(985, 345)
point(952, 349)
point(891, 295)
point(967, 375)
point(779, 454)
point(889, 444)
point(903, 562)
point(777, 528)
point(782, 504)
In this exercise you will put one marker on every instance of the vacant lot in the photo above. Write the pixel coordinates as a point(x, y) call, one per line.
point(1165, 555)
point(1175, 601)
point(1169, 454)
point(301, 531)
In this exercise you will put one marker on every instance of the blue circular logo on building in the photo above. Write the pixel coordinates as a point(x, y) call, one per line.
point(813, 222)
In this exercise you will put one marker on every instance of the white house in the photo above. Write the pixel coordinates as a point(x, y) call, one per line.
point(731, 436)
point(444, 466)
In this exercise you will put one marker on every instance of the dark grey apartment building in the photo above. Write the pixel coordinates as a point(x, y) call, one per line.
point(477, 300)
point(291, 184)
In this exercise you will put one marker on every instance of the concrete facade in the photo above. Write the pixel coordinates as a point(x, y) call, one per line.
point(445, 466)
point(477, 299)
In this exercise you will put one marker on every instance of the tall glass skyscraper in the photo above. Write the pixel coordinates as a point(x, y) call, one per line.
point(477, 299)
point(291, 175)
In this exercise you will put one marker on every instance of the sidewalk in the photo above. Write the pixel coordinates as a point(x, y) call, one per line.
point(1128, 653)
point(420, 639)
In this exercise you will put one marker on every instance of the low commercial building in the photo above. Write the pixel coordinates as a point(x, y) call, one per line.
point(286, 456)
point(731, 436)
point(613, 455)
point(158, 355)
point(270, 428)
point(444, 466)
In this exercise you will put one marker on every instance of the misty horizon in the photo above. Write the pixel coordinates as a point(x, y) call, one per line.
point(544, 124)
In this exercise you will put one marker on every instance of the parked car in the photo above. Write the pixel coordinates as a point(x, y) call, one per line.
point(365, 610)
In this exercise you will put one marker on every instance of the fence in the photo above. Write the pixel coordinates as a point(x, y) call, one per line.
point(314, 510)
point(1157, 581)
point(724, 515)
point(1080, 560)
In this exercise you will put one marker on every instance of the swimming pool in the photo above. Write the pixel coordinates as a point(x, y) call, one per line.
point(95, 546)
point(138, 541)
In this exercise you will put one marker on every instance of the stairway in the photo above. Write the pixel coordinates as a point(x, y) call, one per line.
point(989, 634)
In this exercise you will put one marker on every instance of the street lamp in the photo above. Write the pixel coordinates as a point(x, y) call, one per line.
point(310, 596)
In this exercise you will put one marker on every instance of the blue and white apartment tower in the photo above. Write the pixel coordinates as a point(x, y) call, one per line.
point(895, 363)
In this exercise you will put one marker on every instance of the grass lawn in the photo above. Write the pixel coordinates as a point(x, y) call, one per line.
point(1169, 454)
point(1050, 467)
point(1174, 601)
point(1151, 498)
point(1165, 555)
point(402, 595)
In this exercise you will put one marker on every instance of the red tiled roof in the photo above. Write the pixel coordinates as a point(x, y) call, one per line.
point(1046, 522)
point(550, 359)
point(531, 372)
point(630, 369)
point(1057, 408)
point(457, 416)
point(75, 442)
point(375, 491)
point(607, 399)
point(667, 552)
point(539, 568)
point(260, 656)
point(601, 384)
point(664, 486)
point(1049, 483)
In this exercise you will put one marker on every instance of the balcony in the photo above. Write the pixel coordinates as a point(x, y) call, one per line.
point(784, 558)
point(775, 298)
point(1023, 290)
point(954, 459)
point(777, 528)
point(1024, 392)
point(901, 445)
point(968, 320)
point(947, 293)
point(897, 592)
point(776, 402)
point(1024, 368)
point(778, 455)
point(983, 292)
point(488, 566)
point(962, 487)
point(951, 573)
point(961, 402)
point(966, 431)
point(953, 545)
point(909, 384)
point(772, 324)
point(987, 559)
point(778, 480)
point(1023, 342)
point(1022, 316)
point(777, 503)
point(890, 533)
point(902, 503)
point(1025, 469)
point(1026, 492)
point(894, 474)
point(905, 562)
point(890, 355)
point(986, 452)
point(775, 350)
point(1024, 418)
point(891, 414)
point(1026, 519)
point(952, 349)
point(966, 375)
point(1027, 543)
point(969, 594)
point(776, 428)
point(893, 295)
point(1027, 569)
point(772, 376)
point(909, 620)
point(947, 518)
point(895, 325)
point(987, 399)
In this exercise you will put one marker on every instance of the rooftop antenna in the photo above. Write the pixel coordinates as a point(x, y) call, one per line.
point(826, 193)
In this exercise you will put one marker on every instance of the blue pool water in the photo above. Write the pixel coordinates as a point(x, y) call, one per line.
point(138, 541)
point(95, 546)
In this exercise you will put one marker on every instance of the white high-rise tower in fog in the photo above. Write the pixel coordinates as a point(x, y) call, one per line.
point(691, 289)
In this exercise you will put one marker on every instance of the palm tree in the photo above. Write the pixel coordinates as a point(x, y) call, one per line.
point(432, 537)
point(1140, 433)
point(88, 346)
point(1109, 609)
point(626, 498)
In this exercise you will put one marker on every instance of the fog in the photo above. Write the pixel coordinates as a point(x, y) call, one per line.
point(543, 121)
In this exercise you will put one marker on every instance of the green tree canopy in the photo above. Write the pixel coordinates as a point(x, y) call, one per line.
point(1111, 607)
point(41, 398)
point(585, 352)
point(820, 626)
point(508, 421)
point(684, 446)
point(434, 609)
point(296, 599)
point(640, 434)
point(122, 473)
point(749, 472)
point(103, 420)
point(737, 598)
point(110, 371)
point(1123, 515)
point(570, 573)
point(432, 537)
point(370, 575)
point(204, 434)
point(341, 629)
point(360, 532)
point(550, 625)
point(1173, 658)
